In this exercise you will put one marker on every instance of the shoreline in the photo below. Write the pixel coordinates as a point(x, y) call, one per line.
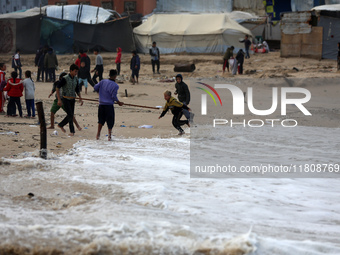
point(320, 77)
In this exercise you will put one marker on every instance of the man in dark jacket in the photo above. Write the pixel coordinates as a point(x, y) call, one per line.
point(50, 64)
point(247, 44)
point(154, 52)
point(240, 60)
point(135, 66)
point(182, 90)
point(39, 62)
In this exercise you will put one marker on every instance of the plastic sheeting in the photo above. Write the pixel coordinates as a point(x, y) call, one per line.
point(198, 6)
point(58, 34)
point(105, 36)
point(79, 13)
point(19, 33)
point(331, 36)
point(196, 33)
point(302, 5)
point(333, 7)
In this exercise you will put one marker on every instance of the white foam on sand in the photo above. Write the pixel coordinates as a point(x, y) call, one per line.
point(137, 195)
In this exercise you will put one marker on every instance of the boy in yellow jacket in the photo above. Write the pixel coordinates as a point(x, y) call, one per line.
point(176, 108)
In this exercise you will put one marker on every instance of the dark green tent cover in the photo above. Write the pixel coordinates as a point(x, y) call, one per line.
point(28, 33)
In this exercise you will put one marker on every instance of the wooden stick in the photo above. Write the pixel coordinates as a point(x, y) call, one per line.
point(43, 136)
point(135, 105)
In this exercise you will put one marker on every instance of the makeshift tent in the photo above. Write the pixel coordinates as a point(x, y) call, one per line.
point(80, 13)
point(329, 19)
point(29, 30)
point(197, 33)
point(199, 6)
point(20, 31)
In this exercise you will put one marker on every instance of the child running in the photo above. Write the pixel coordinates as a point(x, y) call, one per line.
point(29, 95)
point(176, 108)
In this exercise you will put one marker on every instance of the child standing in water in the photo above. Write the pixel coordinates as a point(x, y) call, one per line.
point(29, 95)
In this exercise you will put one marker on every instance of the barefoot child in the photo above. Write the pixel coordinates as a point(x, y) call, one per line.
point(29, 95)
point(69, 88)
point(55, 106)
point(176, 108)
point(107, 90)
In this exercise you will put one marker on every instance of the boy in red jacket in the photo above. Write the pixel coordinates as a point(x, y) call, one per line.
point(14, 90)
point(118, 59)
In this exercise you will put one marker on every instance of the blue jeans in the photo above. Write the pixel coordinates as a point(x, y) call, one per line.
point(247, 53)
point(30, 107)
point(16, 68)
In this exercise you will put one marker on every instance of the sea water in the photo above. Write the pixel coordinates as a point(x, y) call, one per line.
point(136, 196)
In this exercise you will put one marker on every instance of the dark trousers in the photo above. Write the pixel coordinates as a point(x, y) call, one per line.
point(51, 74)
point(118, 68)
point(100, 70)
point(11, 108)
point(241, 68)
point(226, 65)
point(135, 73)
point(153, 63)
point(69, 109)
point(247, 53)
point(106, 113)
point(41, 70)
point(89, 79)
point(177, 122)
point(30, 107)
point(16, 68)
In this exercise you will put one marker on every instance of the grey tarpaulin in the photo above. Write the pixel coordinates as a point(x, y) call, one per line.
point(105, 36)
point(331, 36)
point(20, 33)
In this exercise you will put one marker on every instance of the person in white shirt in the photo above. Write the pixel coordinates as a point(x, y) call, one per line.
point(99, 69)
point(29, 88)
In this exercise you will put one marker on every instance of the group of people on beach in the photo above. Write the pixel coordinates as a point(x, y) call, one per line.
point(69, 86)
point(13, 89)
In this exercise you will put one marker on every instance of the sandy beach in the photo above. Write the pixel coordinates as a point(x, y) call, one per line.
point(261, 71)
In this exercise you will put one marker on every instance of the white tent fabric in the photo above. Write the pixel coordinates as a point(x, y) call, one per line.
point(330, 7)
point(198, 6)
point(196, 33)
point(79, 13)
